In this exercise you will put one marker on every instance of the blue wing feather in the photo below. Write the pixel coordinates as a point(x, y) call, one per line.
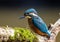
point(39, 23)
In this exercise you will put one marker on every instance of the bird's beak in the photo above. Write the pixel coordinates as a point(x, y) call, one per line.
point(21, 17)
point(24, 17)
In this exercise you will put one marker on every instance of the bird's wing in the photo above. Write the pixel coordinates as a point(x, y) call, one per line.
point(38, 22)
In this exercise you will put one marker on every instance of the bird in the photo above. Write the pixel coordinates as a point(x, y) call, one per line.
point(36, 23)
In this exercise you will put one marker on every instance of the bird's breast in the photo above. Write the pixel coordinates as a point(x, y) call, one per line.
point(34, 28)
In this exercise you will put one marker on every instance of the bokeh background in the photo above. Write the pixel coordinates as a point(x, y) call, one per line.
point(10, 10)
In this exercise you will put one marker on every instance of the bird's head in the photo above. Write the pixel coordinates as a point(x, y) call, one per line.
point(29, 13)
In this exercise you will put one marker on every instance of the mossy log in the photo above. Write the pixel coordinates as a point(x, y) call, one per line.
point(16, 34)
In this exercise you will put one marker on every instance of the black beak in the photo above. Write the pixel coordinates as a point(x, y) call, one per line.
point(21, 17)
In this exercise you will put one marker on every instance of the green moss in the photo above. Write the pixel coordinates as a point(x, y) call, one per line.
point(23, 34)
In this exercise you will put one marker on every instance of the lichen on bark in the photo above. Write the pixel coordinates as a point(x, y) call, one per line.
point(16, 34)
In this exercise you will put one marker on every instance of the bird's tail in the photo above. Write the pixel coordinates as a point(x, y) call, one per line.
point(49, 34)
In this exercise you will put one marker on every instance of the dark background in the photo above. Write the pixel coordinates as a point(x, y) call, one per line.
point(10, 10)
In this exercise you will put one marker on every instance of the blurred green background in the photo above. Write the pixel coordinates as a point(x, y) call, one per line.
point(11, 10)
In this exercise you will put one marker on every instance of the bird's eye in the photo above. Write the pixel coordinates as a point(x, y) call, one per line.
point(26, 14)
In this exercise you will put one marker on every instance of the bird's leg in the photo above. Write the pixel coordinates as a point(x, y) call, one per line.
point(50, 26)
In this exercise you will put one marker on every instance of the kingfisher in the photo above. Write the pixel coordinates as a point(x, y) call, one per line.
point(36, 23)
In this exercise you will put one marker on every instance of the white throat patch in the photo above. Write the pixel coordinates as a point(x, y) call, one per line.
point(33, 14)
